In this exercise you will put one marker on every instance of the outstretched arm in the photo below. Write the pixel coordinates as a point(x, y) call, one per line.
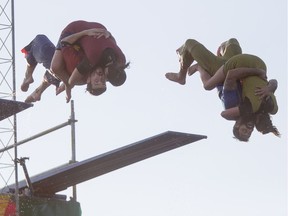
point(231, 113)
point(76, 78)
point(240, 73)
point(209, 82)
point(230, 79)
point(95, 32)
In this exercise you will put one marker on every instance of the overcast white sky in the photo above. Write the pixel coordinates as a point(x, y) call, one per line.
point(219, 176)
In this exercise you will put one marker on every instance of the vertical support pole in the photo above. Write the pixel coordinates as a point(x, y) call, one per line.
point(15, 119)
point(73, 145)
point(21, 161)
point(16, 193)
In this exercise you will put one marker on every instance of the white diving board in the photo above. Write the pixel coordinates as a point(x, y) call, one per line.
point(60, 178)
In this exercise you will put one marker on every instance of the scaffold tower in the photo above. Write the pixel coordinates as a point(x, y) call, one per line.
point(8, 125)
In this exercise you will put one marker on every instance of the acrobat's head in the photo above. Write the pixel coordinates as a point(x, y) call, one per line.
point(96, 82)
point(96, 91)
point(243, 128)
point(114, 66)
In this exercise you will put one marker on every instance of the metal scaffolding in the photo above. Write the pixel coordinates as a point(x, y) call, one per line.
point(9, 160)
point(21, 161)
point(8, 127)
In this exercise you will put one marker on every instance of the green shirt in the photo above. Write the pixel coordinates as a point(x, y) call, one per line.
point(250, 83)
point(244, 61)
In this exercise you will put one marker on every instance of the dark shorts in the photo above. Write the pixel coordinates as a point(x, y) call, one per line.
point(229, 98)
point(40, 50)
point(59, 45)
point(51, 79)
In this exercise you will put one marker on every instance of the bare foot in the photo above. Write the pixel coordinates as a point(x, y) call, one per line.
point(175, 78)
point(60, 89)
point(192, 69)
point(26, 82)
point(35, 96)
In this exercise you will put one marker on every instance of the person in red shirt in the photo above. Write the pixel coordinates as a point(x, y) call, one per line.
point(100, 49)
point(40, 51)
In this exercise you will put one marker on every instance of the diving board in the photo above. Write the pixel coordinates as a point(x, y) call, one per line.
point(11, 107)
point(60, 178)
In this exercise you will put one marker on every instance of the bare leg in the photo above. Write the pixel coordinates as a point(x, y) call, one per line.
point(193, 69)
point(28, 79)
point(58, 67)
point(204, 76)
point(36, 95)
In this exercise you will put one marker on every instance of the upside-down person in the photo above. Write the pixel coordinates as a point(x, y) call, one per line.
point(100, 50)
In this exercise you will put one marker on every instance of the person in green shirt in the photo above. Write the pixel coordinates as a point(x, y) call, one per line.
point(258, 101)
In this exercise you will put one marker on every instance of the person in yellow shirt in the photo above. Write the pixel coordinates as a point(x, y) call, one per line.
point(258, 101)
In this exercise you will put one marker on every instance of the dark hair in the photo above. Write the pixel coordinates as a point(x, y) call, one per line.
point(264, 124)
point(237, 134)
point(241, 121)
point(107, 56)
point(263, 121)
point(267, 105)
point(95, 92)
point(117, 75)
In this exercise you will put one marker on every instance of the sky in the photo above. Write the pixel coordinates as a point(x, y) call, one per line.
point(217, 176)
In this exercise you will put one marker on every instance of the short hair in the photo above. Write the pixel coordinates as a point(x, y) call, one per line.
point(237, 134)
point(240, 121)
point(97, 91)
point(117, 75)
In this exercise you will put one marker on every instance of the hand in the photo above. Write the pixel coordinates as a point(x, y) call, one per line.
point(192, 69)
point(263, 76)
point(98, 33)
point(262, 92)
point(68, 93)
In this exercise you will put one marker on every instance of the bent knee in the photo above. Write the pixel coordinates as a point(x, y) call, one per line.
point(208, 87)
point(233, 41)
point(57, 63)
point(223, 115)
point(191, 42)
